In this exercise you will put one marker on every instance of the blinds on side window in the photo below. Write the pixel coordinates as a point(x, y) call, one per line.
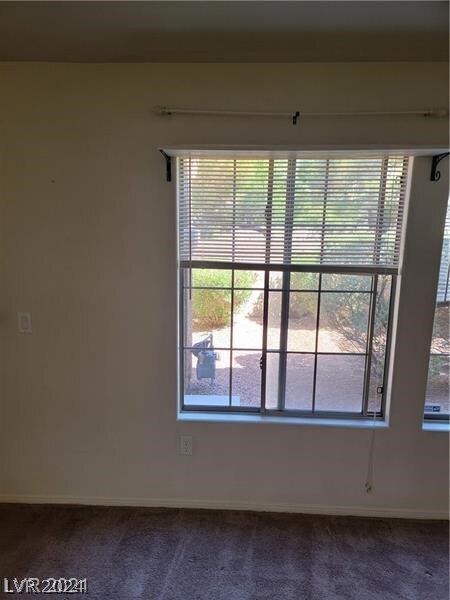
point(340, 211)
point(443, 294)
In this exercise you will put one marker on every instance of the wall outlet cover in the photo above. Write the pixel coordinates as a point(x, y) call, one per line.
point(186, 444)
point(24, 322)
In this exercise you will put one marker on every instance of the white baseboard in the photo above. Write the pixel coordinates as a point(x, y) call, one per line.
point(317, 509)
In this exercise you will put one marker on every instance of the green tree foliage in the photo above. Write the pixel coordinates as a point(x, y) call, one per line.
point(211, 307)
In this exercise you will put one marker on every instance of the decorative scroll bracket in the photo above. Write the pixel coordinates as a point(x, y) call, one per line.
point(435, 174)
point(168, 165)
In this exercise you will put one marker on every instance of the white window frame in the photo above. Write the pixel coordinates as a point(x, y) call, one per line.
point(281, 411)
point(380, 415)
point(442, 295)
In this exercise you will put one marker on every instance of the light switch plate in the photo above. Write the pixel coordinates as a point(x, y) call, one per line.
point(24, 322)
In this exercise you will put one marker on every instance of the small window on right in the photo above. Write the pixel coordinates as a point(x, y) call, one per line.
point(437, 400)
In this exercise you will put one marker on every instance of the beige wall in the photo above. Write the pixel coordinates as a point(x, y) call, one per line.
point(88, 405)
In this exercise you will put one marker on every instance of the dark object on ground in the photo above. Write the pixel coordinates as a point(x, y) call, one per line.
point(206, 358)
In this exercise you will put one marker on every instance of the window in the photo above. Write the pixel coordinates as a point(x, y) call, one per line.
point(287, 273)
point(437, 398)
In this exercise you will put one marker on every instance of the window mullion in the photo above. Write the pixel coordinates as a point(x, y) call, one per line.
point(264, 340)
point(316, 344)
point(400, 213)
point(289, 212)
point(284, 325)
point(324, 211)
point(268, 216)
point(268, 212)
point(182, 336)
point(233, 255)
point(388, 341)
point(287, 260)
point(369, 345)
point(231, 339)
point(190, 226)
point(380, 217)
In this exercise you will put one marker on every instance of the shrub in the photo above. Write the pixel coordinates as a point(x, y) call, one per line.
point(300, 305)
point(346, 313)
point(211, 307)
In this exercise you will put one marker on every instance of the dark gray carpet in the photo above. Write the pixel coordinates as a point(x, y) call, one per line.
point(133, 553)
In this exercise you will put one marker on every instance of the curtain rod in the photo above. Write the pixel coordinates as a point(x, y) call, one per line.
point(295, 115)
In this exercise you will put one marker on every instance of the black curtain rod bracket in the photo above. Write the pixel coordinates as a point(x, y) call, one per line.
point(435, 174)
point(168, 165)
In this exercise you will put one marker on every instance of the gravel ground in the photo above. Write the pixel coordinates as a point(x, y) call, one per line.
point(339, 378)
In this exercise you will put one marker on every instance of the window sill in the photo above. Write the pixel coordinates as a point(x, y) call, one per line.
point(187, 416)
point(436, 426)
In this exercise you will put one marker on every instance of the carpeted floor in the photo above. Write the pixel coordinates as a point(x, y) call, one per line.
point(131, 553)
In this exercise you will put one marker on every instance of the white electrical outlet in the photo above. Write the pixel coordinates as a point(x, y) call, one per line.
point(186, 444)
point(24, 322)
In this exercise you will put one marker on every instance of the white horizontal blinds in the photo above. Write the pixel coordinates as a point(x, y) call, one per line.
point(349, 211)
point(443, 294)
point(330, 211)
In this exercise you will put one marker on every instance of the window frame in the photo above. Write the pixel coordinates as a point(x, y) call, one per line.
point(375, 269)
point(262, 410)
point(439, 417)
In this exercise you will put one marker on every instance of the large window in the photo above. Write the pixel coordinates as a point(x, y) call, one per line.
point(437, 400)
point(287, 273)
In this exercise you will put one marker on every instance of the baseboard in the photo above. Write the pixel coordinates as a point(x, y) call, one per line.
point(317, 509)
